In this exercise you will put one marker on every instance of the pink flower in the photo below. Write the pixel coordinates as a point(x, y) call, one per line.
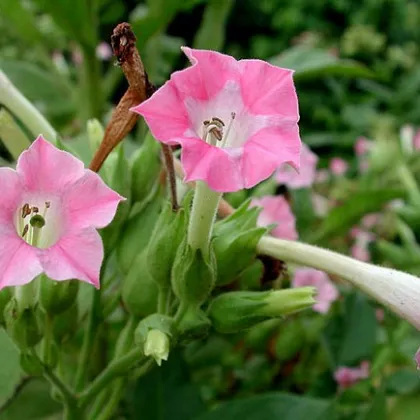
point(236, 121)
point(360, 252)
point(370, 220)
point(320, 204)
point(104, 51)
point(49, 211)
point(416, 140)
point(327, 292)
point(305, 177)
point(275, 209)
point(338, 166)
point(362, 146)
point(323, 175)
point(347, 377)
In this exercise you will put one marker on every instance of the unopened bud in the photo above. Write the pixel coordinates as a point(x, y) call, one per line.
point(95, 133)
point(236, 311)
point(57, 296)
point(157, 345)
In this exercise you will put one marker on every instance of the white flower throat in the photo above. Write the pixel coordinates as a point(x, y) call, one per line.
point(35, 225)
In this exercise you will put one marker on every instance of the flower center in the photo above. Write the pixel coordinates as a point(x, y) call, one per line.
point(214, 133)
point(34, 224)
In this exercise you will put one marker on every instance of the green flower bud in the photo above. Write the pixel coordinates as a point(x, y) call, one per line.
point(56, 297)
point(235, 239)
point(237, 311)
point(250, 278)
point(5, 295)
point(31, 364)
point(95, 133)
point(139, 290)
point(157, 345)
point(23, 326)
point(154, 335)
point(194, 324)
point(145, 168)
point(136, 234)
point(193, 275)
point(166, 238)
point(65, 324)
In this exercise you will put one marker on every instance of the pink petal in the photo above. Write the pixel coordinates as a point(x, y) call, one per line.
point(45, 168)
point(275, 209)
point(268, 89)
point(11, 191)
point(90, 202)
point(77, 255)
point(417, 359)
point(19, 263)
point(338, 166)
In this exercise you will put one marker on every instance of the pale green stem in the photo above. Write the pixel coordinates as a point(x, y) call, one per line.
point(12, 135)
point(20, 107)
point(409, 182)
point(202, 217)
point(397, 290)
point(27, 295)
point(163, 299)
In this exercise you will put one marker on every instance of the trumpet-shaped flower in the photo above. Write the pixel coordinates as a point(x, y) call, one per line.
point(276, 210)
point(305, 177)
point(50, 209)
point(236, 121)
point(326, 291)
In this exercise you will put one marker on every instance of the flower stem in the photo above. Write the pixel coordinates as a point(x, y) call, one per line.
point(12, 135)
point(27, 295)
point(115, 369)
point(202, 217)
point(163, 299)
point(19, 106)
point(397, 290)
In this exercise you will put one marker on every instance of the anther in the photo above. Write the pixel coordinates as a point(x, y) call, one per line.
point(233, 115)
point(25, 231)
point(26, 210)
point(35, 209)
point(206, 122)
point(48, 204)
point(37, 221)
point(216, 119)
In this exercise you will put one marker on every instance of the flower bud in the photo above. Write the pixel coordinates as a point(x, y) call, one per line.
point(146, 166)
point(65, 324)
point(235, 239)
point(136, 234)
point(22, 325)
point(154, 335)
point(194, 324)
point(165, 241)
point(139, 291)
point(157, 345)
point(193, 275)
point(31, 364)
point(236, 311)
point(56, 297)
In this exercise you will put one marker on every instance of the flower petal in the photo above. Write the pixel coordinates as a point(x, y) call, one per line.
point(19, 263)
point(77, 255)
point(45, 168)
point(10, 196)
point(90, 202)
point(267, 89)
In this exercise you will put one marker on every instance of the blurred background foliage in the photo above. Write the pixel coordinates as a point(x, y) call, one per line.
point(357, 73)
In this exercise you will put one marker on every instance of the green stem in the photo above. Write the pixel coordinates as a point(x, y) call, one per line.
point(202, 217)
point(85, 354)
point(407, 179)
point(20, 107)
point(163, 299)
point(108, 410)
point(12, 135)
point(115, 369)
point(91, 85)
point(46, 344)
point(27, 295)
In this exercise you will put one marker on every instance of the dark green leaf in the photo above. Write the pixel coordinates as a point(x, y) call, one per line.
point(10, 368)
point(377, 409)
point(311, 63)
point(166, 393)
point(273, 406)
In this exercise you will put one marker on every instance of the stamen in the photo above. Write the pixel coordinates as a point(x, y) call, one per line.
point(25, 230)
point(217, 119)
point(48, 204)
point(225, 137)
point(35, 209)
point(26, 210)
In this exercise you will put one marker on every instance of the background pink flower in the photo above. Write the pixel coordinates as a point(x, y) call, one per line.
point(362, 146)
point(236, 121)
point(326, 291)
point(347, 376)
point(50, 209)
point(305, 177)
point(338, 166)
point(275, 209)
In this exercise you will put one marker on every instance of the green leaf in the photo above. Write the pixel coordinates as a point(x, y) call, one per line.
point(403, 381)
point(33, 403)
point(351, 336)
point(211, 34)
point(166, 393)
point(303, 209)
point(41, 87)
point(273, 406)
point(340, 219)
point(377, 409)
point(312, 63)
point(10, 367)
